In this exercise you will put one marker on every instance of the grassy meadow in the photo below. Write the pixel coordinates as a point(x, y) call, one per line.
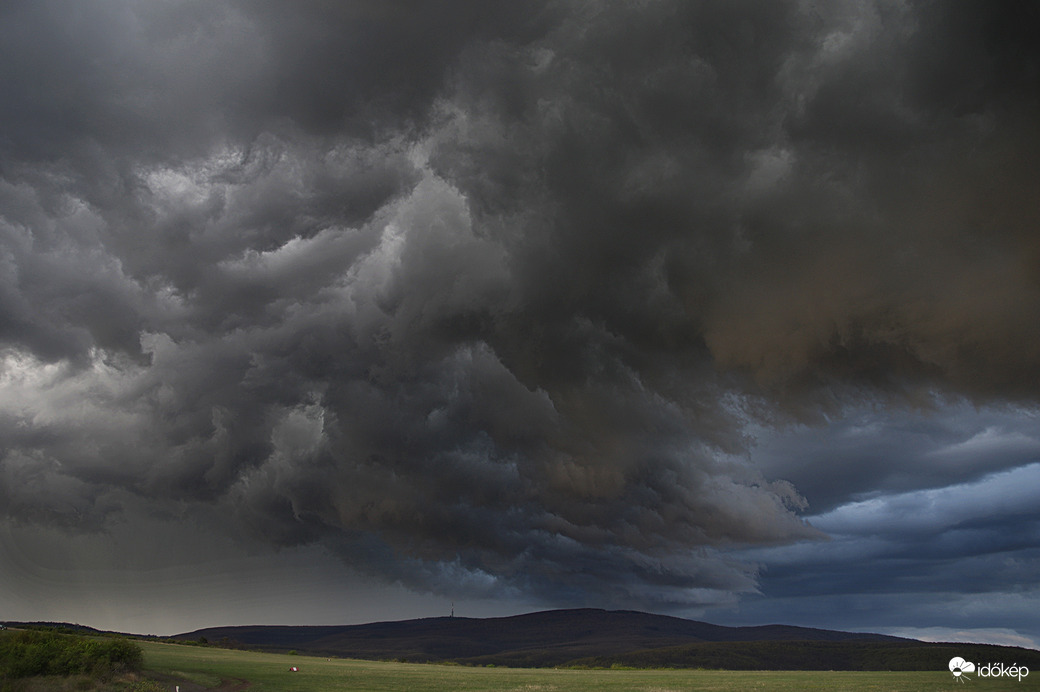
point(212, 667)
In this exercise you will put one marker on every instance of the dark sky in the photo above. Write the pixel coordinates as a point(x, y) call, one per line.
point(331, 312)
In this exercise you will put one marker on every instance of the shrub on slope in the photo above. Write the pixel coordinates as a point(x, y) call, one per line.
point(31, 653)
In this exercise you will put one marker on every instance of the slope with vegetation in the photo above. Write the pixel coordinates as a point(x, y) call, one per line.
point(41, 656)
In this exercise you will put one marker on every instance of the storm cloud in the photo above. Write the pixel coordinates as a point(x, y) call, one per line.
point(495, 299)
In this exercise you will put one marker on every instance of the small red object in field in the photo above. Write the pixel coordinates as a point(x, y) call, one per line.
point(294, 669)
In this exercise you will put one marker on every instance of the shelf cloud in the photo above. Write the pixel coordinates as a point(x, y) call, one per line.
point(505, 301)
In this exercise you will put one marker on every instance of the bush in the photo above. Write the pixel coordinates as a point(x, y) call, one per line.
point(30, 653)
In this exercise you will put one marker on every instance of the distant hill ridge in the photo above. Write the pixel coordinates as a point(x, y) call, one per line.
point(543, 638)
point(601, 638)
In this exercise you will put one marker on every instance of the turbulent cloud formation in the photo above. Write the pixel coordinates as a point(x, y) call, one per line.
point(492, 298)
point(973, 544)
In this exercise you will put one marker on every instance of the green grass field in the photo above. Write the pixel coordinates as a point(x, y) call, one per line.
point(210, 667)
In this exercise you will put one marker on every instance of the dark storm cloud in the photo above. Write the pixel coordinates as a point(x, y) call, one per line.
point(868, 453)
point(973, 544)
point(485, 298)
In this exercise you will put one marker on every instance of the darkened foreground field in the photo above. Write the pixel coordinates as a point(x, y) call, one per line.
point(210, 668)
point(196, 669)
point(797, 655)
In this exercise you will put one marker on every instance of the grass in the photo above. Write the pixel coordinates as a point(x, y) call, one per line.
point(124, 682)
point(270, 673)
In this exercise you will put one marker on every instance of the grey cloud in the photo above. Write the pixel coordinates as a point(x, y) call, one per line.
point(87, 82)
point(736, 216)
point(871, 452)
point(488, 296)
point(995, 500)
point(63, 293)
point(962, 556)
point(368, 66)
